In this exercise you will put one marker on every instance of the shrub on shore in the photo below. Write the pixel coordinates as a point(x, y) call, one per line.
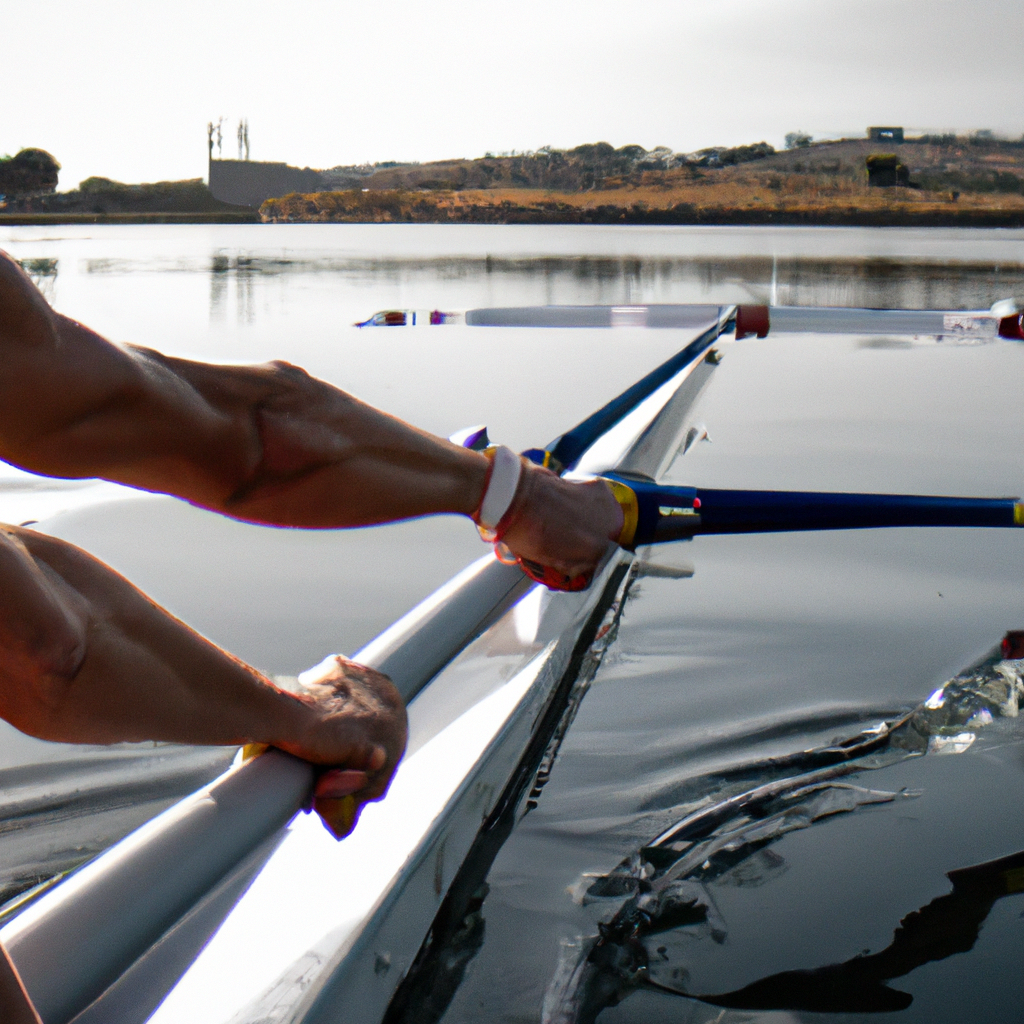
point(30, 172)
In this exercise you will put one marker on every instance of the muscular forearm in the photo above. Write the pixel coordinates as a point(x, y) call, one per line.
point(267, 444)
point(85, 657)
point(179, 688)
point(330, 460)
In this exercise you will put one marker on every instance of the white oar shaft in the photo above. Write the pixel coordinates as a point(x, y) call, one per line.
point(969, 325)
point(1002, 320)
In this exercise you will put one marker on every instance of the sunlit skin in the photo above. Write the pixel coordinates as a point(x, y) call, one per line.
point(267, 444)
point(86, 657)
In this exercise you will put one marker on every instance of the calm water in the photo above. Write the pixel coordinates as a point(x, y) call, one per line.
point(773, 644)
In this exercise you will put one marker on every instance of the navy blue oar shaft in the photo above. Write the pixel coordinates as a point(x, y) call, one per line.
point(567, 449)
point(671, 513)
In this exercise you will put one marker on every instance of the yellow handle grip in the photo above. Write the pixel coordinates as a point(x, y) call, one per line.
point(626, 497)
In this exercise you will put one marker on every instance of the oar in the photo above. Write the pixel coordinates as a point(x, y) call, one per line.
point(657, 512)
point(1002, 320)
point(564, 452)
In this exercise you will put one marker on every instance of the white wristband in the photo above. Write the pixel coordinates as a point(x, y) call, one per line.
point(506, 469)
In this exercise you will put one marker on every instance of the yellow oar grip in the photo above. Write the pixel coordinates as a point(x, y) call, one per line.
point(626, 497)
point(1018, 514)
point(251, 750)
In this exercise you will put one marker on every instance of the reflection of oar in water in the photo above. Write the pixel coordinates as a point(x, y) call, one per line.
point(668, 882)
point(948, 925)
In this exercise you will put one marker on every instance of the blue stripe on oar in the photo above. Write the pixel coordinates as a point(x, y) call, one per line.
point(567, 449)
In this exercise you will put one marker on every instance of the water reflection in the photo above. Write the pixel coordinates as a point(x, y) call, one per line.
point(774, 645)
point(43, 271)
point(947, 925)
point(591, 279)
point(669, 885)
point(875, 283)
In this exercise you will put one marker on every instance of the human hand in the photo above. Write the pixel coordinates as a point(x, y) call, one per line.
point(561, 524)
point(359, 731)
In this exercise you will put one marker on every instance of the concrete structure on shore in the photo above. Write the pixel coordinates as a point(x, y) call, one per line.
point(890, 134)
point(252, 182)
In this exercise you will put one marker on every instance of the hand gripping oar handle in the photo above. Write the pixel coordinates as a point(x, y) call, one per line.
point(565, 451)
point(555, 580)
point(664, 513)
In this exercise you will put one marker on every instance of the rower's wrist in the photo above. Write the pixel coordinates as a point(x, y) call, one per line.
point(474, 473)
point(501, 495)
point(287, 720)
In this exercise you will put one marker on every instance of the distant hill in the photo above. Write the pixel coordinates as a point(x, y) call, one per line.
point(936, 162)
point(975, 181)
point(968, 164)
point(570, 170)
point(955, 180)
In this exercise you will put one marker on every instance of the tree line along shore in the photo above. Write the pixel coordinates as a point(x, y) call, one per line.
point(942, 180)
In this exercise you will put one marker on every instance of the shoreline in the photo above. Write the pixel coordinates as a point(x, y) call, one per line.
point(222, 217)
point(420, 212)
point(704, 218)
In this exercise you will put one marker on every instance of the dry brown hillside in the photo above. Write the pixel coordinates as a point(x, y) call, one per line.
point(975, 164)
point(975, 181)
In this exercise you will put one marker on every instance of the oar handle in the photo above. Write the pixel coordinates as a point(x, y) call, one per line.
point(663, 513)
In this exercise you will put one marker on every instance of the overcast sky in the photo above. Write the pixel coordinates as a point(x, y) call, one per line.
point(125, 89)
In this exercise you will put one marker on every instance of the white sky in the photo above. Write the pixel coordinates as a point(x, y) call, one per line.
point(125, 89)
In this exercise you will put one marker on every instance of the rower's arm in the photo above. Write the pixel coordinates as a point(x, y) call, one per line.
point(85, 657)
point(265, 443)
point(268, 444)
